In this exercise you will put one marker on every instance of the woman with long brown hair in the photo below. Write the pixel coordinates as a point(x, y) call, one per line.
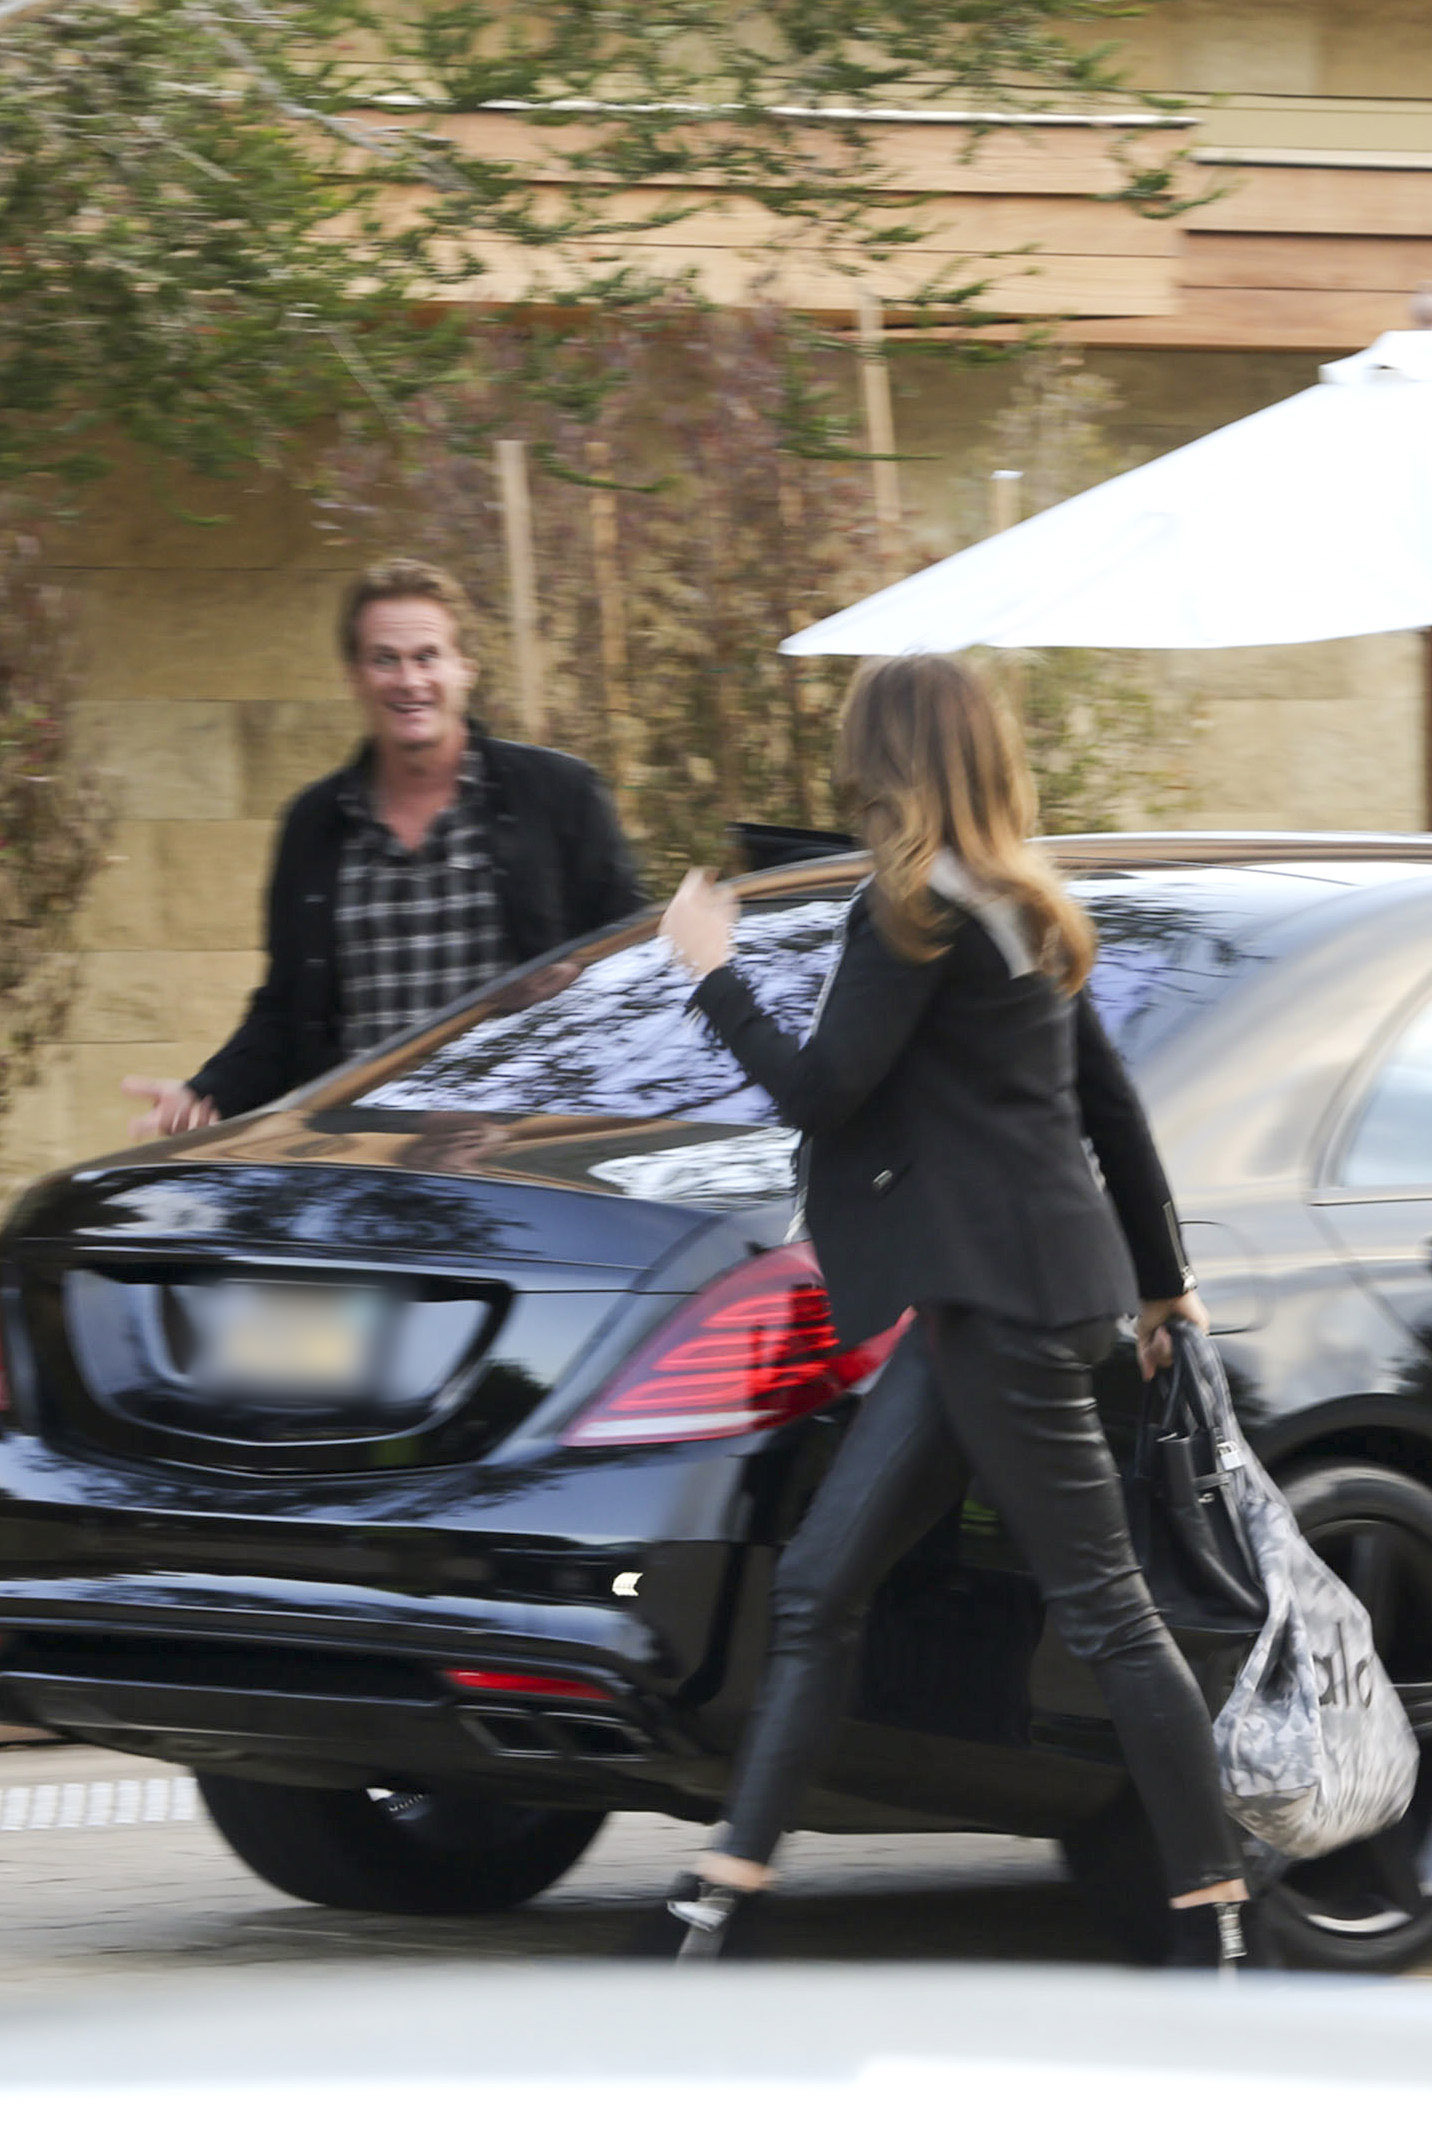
point(955, 1072)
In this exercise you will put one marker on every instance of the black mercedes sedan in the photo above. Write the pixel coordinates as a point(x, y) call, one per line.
point(409, 1458)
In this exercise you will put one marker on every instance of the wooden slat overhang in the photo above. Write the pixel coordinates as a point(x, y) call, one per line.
point(1022, 208)
point(1304, 249)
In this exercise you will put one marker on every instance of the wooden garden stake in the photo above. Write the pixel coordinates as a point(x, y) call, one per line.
point(880, 430)
point(622, 738)
point(522, 579)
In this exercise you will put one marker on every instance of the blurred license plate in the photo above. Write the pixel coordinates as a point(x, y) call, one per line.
point(271, 1337)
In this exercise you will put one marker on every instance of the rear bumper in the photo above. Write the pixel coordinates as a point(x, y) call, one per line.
point(322, 1707)
point(268, 1629)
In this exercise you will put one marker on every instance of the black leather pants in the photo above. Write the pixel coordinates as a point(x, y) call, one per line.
point(967, 1392)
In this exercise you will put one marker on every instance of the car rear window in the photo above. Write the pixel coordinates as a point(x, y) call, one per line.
point(616, 1039)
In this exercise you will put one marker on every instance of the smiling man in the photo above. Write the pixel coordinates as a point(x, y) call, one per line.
point(437, 859)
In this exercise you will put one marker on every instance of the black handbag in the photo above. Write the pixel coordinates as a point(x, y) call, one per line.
point(1187, 1529)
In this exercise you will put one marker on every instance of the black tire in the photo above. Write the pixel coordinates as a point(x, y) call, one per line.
point(1367, 1908)
point(414, 1853)
point(1370, 1907)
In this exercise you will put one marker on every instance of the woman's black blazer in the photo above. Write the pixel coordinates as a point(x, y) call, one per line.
point(947, 1105)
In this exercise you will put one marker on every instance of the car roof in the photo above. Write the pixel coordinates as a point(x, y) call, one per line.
point(1346, 859)
point(1259, 889)
point(1350, 854)
point(1345, 919)
point(1308, 898)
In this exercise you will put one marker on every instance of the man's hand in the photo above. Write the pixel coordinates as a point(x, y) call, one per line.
point(1154, 1346)
point(174, 1108)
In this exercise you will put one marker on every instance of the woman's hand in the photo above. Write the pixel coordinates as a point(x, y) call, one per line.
point(699, 921)
point(1154, 1346)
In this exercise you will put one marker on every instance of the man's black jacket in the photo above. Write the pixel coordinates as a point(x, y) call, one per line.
point(946, 1105)
point(562, 869)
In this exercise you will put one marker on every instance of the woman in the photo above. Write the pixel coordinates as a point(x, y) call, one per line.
point(954, 1073)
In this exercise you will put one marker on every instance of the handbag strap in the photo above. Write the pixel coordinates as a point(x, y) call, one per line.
point(1159, 1415)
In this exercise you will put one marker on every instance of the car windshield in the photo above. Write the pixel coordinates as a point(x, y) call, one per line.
point(616, 1039)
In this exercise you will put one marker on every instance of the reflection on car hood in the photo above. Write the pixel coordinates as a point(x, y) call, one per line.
point(739, 1167)
point(668, 1161)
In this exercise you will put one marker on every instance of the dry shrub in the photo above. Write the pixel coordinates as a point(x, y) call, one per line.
point(53, 815)
point(1109, 745)
point(695, 497)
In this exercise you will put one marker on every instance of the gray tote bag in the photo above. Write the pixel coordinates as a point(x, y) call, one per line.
point(1314, 1746)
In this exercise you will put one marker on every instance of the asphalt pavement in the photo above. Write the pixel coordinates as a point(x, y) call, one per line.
point(150, 1985)
point(109, 1869)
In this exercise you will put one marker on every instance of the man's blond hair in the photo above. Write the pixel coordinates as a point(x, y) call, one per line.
point(405, 578)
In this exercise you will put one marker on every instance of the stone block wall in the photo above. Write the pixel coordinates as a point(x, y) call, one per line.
point(210, 695)
point(1327, 735)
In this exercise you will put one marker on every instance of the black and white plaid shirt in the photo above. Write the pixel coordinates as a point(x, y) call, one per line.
point(416, 929)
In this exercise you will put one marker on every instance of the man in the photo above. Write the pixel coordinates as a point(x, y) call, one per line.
point(434, 861)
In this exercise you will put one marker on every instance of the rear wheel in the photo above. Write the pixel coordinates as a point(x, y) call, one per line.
point(1368, 1907)
point(416, 1853)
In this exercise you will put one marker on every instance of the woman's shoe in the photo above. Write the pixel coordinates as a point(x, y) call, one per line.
point(1226, 1936)
point(701, 1921)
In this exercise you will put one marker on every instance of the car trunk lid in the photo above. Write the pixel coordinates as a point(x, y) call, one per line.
point(314, 1317)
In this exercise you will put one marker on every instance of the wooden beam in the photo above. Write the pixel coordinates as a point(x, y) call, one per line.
point(522, 584)
point(623, 748)
point(1315, 198)
point(930, 155)
point(1304, 261)
point(1257, 320)
point(1005, 487)
point(1208, 318)
point(1027, 288)
point(880, 430)
point(796, 674)
point(1005, 509)
point(983, 225)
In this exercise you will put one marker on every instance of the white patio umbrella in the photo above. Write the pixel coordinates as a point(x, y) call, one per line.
point(1308, 521)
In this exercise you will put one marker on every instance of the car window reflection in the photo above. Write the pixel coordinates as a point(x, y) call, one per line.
point(612, 1037)
point(1169, 946)
point(616, 1037)
point(1391, 1144)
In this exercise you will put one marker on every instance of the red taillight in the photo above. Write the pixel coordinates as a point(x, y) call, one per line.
point(519, 1682)
point(753, 1351)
